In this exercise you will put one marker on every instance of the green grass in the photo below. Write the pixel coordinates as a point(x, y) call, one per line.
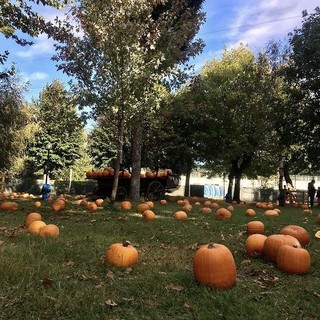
point(67, 278)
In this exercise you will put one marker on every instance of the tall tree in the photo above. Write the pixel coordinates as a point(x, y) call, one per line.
point(240, 93)
point(14, 117)
point(125, 49)
point(60, 126)
point(304, 73)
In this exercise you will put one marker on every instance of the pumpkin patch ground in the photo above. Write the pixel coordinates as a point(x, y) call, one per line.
point(69, 276)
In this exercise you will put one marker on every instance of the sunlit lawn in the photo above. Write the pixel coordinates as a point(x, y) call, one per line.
point(67, 278)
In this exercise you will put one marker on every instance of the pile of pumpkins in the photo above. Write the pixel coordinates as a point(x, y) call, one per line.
point(285, 249)
point(36, 226)
point(109, 172)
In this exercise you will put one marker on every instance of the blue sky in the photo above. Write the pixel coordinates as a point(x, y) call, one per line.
point(228, 23)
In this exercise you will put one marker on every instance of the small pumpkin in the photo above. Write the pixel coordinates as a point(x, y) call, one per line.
point(37, 204)
point(33, 216)
point(99, 202)
point(126, 205)
point(205, 210)
point(271, 213)
point(293, 260)
point(223, 214)
point(207, 203)
point(187, 207)
point(163, 202)
point(214, 266)
point(150, 204)
point(122, 254)
point(214, 205)
point(35, 226)
point(255, 227)
point(250, 212)
point(148, 215)
point(50, 230)
point(58, 205)
point(91, 206)
point(181, 215)
point(141, 207)
point(255, 244)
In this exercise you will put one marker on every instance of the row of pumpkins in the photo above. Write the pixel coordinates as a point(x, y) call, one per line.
point(36, 226)
point(109, 172)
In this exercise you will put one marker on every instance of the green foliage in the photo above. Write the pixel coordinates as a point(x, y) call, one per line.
point(303, 74)
point(15, 120)
point(61, 127)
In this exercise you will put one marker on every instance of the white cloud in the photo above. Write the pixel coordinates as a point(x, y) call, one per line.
point(42, 45)
point(34, 76)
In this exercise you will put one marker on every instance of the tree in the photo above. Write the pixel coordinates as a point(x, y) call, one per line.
point(15, 116)
point(303, 73)
point(60, 126)
point(240, 93)
point(127, 48)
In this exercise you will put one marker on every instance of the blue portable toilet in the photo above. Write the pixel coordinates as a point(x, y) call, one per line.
point(45, 191)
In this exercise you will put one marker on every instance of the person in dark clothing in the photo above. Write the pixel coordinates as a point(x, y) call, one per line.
point(318, 196)
point(311, 192)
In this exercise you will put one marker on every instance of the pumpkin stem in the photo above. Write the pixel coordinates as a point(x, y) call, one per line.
point(126, 243)
point(210, 245)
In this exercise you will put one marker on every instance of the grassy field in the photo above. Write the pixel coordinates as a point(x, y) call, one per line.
point(66, 277)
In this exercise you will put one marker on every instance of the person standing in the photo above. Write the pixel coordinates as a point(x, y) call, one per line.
point(311, 192)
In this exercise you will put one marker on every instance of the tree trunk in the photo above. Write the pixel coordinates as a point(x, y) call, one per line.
point(237, 184)
point(136, 146)
point(230, 183)
point(281, 175)
point(287, 175)
point(119, 158)
point(188, 174)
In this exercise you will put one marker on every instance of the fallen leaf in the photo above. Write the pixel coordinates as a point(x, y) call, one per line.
point(47, 282)
point(110, 303)
point(110, 275)
point(174, 287)
point(128, 270)
point(1, 242)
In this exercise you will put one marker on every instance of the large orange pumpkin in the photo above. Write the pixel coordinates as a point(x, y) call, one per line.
point(250, 212)
point(214, 266)
point(298, 232)
point(58, 205)
point(9, 205)
point(293, 260)
point(122, 254)
point(273, 243)
point(143, 207)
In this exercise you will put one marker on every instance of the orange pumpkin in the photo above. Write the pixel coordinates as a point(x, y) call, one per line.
point(122, 254)
point(181, 215)
point(150, 204)
point(142, 207)
point(126, 205)
point(50, 230)
point(206, 210)
point(255, 227)
point(293, 260)
point(91, 206)
point(273, 243)
point(37, 204)
point(163, 202)
point(35, 226)
point(148, 215)
point(223, 214)
point(214, 266)
point(58, 205)
point(33, 216)
point(254, 244)
point(99, 202)
point(9, 205)
point(298, 232)
point(271, 213)
point(250, 212)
